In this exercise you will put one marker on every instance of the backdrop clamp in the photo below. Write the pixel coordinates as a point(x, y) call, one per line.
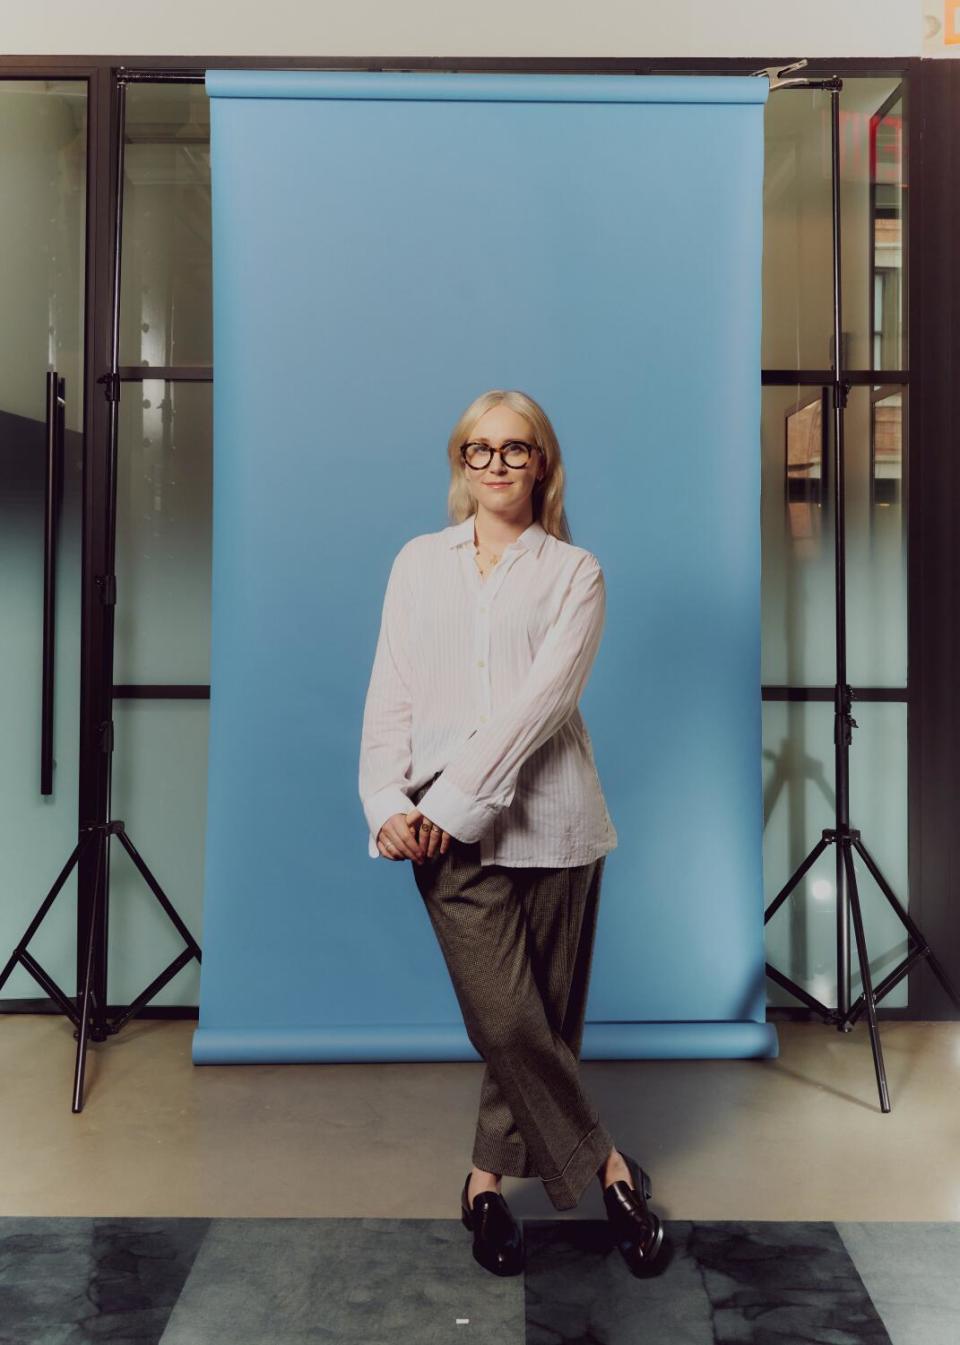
point(776, 74)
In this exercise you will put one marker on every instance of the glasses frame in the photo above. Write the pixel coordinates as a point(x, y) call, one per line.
point(509, 443)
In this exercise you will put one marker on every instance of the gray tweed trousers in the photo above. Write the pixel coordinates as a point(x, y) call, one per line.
point(518, 944)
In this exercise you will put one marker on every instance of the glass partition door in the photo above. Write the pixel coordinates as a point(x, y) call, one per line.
point(43, 157)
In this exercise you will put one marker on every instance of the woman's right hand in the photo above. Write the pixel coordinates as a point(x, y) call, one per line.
point(398, 840)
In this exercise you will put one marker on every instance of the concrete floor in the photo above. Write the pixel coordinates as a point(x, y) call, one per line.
point(801, 1137)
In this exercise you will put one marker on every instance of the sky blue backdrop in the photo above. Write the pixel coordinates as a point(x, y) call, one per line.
point(387, 246)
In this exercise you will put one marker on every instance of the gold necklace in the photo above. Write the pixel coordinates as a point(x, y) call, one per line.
point(492, 556)
point(483, 568)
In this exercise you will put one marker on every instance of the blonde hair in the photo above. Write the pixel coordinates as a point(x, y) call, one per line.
point(547, 498)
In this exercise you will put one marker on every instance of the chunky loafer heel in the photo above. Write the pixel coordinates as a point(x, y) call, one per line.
point(639, 1232)
point(498, 1243)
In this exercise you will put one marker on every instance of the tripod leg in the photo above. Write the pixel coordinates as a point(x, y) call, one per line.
point(906, 919)
point(158, 892)
point(863, 955)
point(78, 1073)
point(798, 990)
point(47, 902)
point(788, 887)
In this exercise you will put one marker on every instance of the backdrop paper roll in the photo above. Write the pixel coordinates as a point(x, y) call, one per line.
point(386, 246)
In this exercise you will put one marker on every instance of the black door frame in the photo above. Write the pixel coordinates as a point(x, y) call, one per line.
point(932, 280)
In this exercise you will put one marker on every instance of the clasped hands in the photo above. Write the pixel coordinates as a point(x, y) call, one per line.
point(403, 836)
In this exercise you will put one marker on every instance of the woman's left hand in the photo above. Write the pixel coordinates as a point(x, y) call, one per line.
point(433, 838)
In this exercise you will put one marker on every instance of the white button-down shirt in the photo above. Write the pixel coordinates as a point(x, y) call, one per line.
point(477, 681)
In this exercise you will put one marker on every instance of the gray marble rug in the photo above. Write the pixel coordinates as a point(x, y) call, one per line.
point(383, 1281)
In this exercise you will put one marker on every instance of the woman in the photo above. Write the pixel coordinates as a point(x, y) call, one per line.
point(476, 764)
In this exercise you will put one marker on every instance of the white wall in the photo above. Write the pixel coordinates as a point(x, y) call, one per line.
point(363, 28)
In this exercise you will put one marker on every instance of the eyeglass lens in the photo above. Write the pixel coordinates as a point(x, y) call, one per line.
point(515, 454)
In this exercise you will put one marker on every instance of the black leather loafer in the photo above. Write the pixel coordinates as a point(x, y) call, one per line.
point(639, 1232)
point(497, 1237)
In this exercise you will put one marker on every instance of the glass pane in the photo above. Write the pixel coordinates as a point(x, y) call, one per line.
point(43, 137)
point(797, 302)
point(43, 133)
point(159, 788)
point(887, 429)
point(166, 314)
point(798, 227)
point(889, 199)
point(164, 508)
point(799, 802)
point(797, 530)
point(870, 221)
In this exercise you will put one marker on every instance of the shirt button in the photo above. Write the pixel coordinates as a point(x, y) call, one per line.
point(481, 663)
point(483, 719)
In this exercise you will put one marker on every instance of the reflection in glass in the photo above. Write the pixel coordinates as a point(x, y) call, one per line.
point(43, 134)
point(798, 226)
point(798, 571)
point(887, 189)
point(166, 315)
point(804, 435)
point(887, 441)
point(164, 508)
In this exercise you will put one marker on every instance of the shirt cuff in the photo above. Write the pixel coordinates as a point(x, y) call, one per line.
point(456, 812)
point(378, 807)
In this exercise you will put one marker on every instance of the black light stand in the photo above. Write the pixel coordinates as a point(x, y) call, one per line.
point(843, 835)
point(88, 1009)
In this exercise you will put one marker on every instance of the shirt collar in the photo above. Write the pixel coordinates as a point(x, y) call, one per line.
point(532, 537)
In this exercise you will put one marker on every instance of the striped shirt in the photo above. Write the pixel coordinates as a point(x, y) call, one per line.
point(476, 681)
